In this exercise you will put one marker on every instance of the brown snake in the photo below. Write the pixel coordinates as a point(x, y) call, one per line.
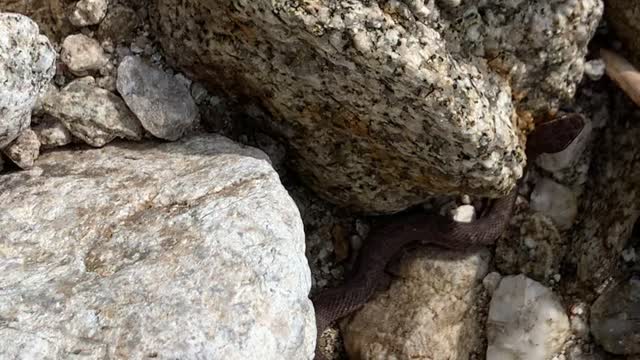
point(400, 231)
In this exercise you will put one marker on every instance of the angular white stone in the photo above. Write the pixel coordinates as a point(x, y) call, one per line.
point(526, 321)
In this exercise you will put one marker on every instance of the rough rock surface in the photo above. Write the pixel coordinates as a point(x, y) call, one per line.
point(94, 115)
point(532, 245)
point(82, 54)
point(27, 64)
point(611, 200)
point(88, 12)
point(556, 201)
point(119, 25)
point(52, 133)
point(427, 313)
point(24, 150)
point(622, 16)
point(163, 105)
point(50, 15)
point(615, 318)
point(189, 250)
point(526, 321)
point(387, 102)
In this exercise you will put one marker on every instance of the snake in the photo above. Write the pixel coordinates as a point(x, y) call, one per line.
point(399, 231)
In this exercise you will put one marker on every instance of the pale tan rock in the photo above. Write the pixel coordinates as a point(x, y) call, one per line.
point(429, 312)
point(24, 150)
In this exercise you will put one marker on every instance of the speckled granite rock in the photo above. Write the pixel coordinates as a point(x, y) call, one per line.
point(622, 16)
point(27, 65)
point(189, 250)
point(427, 313)
point(387, 102)
point(611, 200)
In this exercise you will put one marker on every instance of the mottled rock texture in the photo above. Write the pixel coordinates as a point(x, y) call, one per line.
point(610, 204)
point(526, 321)
point(92, 114)
point(622, 17)
point(387, 102)
point(50, 15)
point(187, 250)
point(615, 315)
point(27, 65)
point(427, 313)
point(24, 150)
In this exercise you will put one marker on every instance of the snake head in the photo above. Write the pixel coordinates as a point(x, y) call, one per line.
point(555, 135)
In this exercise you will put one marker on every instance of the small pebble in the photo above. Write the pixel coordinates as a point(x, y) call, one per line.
point(464, 213)
point(594, 69)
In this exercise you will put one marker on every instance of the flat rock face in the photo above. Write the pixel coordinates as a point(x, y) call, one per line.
point(27, 65)
point(387, 102)
point(189, 250)
point(427, 313)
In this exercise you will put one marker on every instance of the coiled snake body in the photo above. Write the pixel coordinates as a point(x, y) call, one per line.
point(400, 231)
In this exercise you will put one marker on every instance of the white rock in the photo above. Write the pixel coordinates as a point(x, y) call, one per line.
point(569, 156)
point(594, 69)
point(82, 54)
point(24, 150)
point(555, 201)
point(186, 250)
point(526, 321)
point(163, 104)
point(88, 12)
point(464, 213)
point(94, 115)
point(27, 65)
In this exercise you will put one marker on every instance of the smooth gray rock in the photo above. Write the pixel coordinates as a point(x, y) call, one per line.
point(186, 250)
point(386, 102)
point(94, 115)
point(27, 65)
point(162, 103)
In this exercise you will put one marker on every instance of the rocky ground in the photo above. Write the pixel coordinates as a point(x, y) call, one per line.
point(118, 149)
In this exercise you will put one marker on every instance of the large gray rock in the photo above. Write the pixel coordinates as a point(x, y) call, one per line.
point(427, 313)
point(27, 65)
point(386, 102)
point(189, 250)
